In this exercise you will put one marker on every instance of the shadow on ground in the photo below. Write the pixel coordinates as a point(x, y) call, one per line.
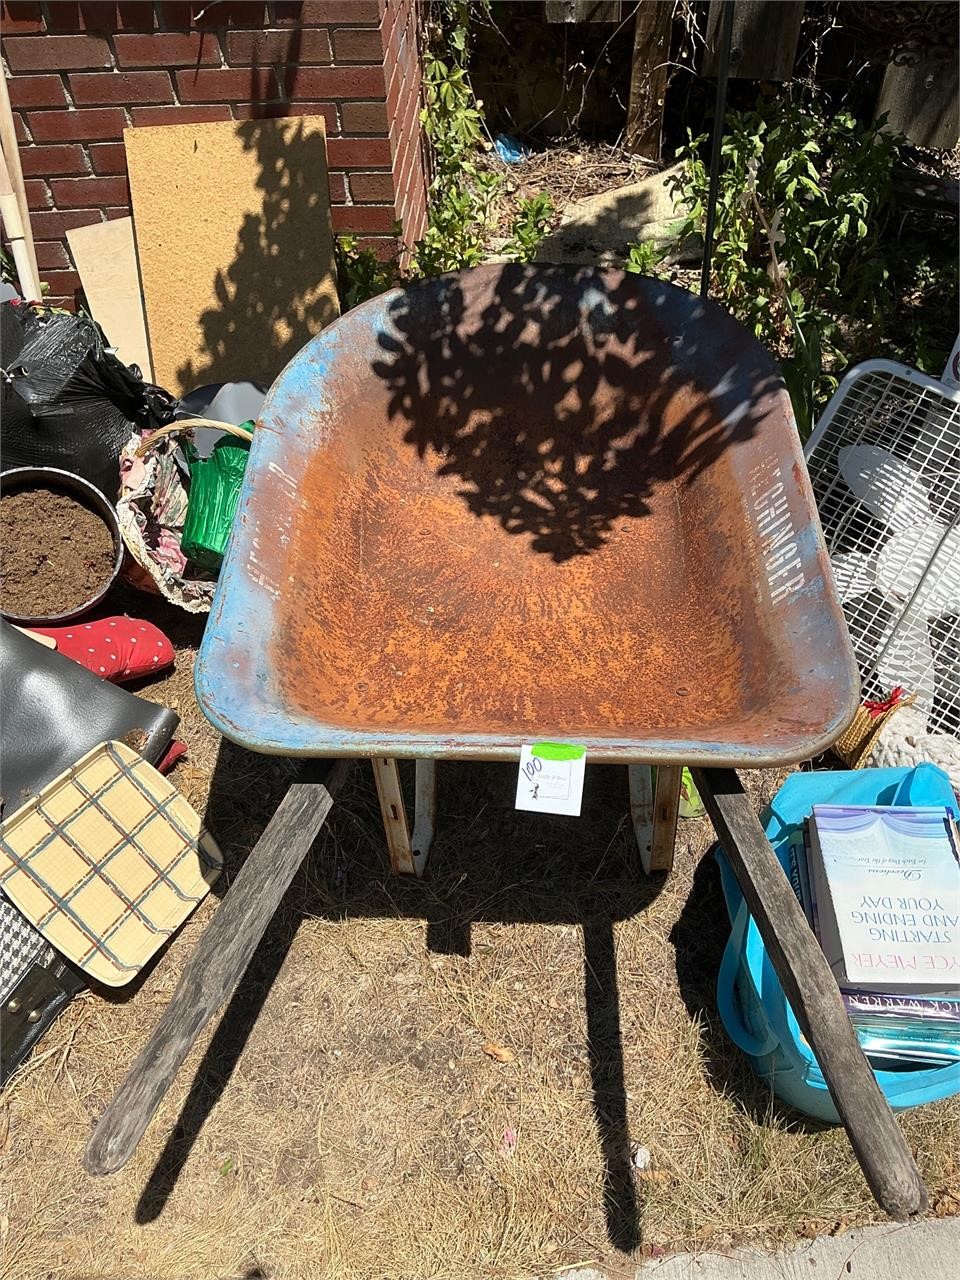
point(699, 941)
point(530, 871)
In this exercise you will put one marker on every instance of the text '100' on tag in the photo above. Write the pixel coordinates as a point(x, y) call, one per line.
point(551, 778)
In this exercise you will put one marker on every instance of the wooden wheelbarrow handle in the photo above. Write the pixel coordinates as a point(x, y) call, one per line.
point(217, 963)
point(812, 990)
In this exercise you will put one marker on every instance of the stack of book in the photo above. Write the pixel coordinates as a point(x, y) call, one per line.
point(880, 887)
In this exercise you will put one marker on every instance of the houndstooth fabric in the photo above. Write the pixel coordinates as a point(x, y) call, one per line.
point(20, 946)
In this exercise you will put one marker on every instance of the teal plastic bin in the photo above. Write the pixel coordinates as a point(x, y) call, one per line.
point(753, 1006)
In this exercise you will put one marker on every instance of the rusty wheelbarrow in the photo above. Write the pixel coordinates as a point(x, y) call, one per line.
point(515, 504)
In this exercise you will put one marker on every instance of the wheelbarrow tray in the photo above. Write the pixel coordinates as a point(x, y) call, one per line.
point(525, 503)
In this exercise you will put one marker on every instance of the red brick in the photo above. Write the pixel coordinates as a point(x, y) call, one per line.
point(403, 86)
point(372, 188)
point(309, 12)
point(117, 211)
point(332, 82)
point(183, 15)
point(20, 127)
point(245, 47)
point(395, 82)
point(81, 126)
point(250, 84)
point(62, 284)
point(412, 186)
point(404, 63)
point(179, 115)
point(66, 16)
point(383, 246)
point(100, 15)
point(338, 187)
point(412, 190)
point(357, 45)
point(37, 91)
point(168, 49)
point(407, 127)
point(51, 254)
point(54, 224)
point(17, 16)
point(363, 217)
point(287, 110)
point(44, 161)
point(326, 109)
point(124, 88)
point(80, 193)
point(38, 193)
point(358, 153)
point(364, 117)
point(56, 53)
point(108, 157)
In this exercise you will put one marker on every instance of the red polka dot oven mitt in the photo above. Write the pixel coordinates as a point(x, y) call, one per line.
point(116, 649)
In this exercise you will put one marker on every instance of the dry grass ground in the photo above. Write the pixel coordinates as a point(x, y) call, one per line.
point(344, 1120)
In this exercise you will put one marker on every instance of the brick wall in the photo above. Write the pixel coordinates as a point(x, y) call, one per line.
point(81, 72)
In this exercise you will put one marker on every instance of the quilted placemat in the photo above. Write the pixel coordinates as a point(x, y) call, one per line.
point(107, 862)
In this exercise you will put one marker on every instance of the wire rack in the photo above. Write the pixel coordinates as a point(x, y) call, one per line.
point(884, 460)
point(107, 862)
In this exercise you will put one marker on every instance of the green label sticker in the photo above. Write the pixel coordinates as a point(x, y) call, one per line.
point(557, 751)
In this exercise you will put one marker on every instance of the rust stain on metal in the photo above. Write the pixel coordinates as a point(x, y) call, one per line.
point(525, 517)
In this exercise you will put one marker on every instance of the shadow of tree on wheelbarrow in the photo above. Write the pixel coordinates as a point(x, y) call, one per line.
point(563, 399)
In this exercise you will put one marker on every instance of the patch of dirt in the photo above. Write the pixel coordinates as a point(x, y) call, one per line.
point(567, 172)
point(57, 552)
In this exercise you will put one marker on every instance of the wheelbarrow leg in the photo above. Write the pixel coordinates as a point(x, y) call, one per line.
point(408, 857)
point(217, 962)
point(653, 807)
point(814, 996)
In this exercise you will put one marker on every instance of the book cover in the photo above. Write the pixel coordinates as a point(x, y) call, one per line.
point(884, 1005)
point(892, 881)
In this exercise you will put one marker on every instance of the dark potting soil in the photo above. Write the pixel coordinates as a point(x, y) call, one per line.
point(56, 553)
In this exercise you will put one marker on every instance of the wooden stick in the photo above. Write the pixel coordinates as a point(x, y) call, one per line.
point(13, 225)
point(814, 996)
point(648, 77)
point(11, 153)
point(216, 964)
point(654, 811)
point(403, 860)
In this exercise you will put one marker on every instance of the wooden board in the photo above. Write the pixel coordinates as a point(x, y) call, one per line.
point(923, 102)
point(235, 245)
point(218, 961)
point(763, 45)
point(106, 258)
point(649, 75)
point(814, 996)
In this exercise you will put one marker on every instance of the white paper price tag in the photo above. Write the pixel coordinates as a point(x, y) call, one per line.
point(551, 778)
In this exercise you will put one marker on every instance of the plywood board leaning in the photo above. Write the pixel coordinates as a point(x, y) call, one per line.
point(106, 258)
point(235, 245)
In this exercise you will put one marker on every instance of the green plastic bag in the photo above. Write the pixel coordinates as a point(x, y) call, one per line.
point(214, 493)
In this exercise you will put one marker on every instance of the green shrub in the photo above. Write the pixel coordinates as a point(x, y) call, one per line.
point(643, 259)
point(460, 194)
point(803, 204)
point(530, 224)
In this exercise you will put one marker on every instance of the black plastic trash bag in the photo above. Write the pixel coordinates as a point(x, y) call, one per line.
point(66, 400)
